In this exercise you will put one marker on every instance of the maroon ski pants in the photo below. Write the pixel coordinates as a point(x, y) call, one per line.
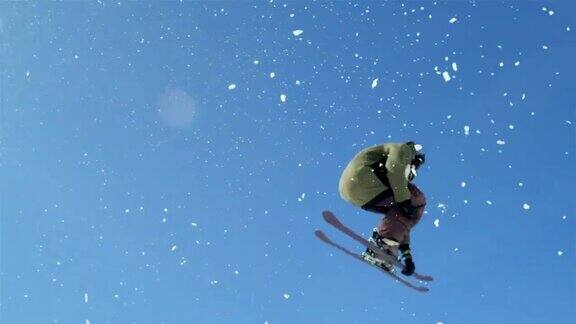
point(394, 224)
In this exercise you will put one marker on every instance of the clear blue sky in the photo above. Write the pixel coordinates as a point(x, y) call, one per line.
point(168, 162)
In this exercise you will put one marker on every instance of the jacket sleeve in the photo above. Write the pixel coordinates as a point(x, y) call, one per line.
point(398, 159)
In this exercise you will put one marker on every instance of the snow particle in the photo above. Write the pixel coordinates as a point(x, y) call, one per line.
point(286, 296)
point(374, 83)
point(466, 130)
point(551, 12)
point(526, 206)
point(283, 97)
point(500, 142)
point(174, 247)
point(463, 184)
point(452, 20)
point(272, 75)
point(488, 202)
point(446, 76)
point(297, 32)
point(232, 86)
point(454, 66)
point(442, 208)
point(501, 64)
point(517, 63)
point(86, 298)
point(560, 253)
point(437, 222)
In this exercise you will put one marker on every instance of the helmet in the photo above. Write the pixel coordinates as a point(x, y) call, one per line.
point(420, 157)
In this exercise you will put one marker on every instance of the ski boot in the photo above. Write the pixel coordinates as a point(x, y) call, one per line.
point(387, 245)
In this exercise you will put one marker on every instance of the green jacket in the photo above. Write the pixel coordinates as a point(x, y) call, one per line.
point(358, 183)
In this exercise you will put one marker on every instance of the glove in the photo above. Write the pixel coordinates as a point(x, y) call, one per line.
point(407, 261)
point(409, 267)
point(407, 208)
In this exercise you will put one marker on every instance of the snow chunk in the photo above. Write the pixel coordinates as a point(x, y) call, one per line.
point(374, 83)
point(452, 20)
point(231, 86)
point(500, 142)
point(283, 97)
point(446, 76)
point(442, 208)
point(454, 66)
point(286, 296)
point(302, 196)
point(526, 206)
point(297, 32)
point(437, 222)
point(466, 130)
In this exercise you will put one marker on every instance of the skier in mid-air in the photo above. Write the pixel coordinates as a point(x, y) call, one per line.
point(378, 179)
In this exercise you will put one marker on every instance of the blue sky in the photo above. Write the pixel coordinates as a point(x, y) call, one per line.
point(169, 162)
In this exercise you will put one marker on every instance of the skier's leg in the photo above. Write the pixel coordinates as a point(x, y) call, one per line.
point(395, 224)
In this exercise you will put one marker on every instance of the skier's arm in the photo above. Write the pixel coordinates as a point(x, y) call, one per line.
point(398, 159)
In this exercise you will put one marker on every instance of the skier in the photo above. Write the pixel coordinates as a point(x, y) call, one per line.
point(378, 179)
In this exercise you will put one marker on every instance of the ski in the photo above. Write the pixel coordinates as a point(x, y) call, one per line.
point(324, 238)
point(331, 219)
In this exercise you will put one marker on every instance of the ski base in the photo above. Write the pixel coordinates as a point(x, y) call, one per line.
point(331, 219)
point(324, 238)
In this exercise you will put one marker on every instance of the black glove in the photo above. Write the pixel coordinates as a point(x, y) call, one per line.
point(406, 256)
point(407, 208)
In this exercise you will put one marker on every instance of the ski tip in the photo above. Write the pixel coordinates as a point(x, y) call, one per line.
point(426, 278)
point(328, 216)
point(323, 237)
